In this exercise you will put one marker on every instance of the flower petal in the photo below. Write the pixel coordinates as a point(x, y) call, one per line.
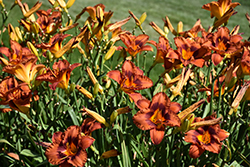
point(157, 135)
point(195, 151)
point(141, 120)
point(115, 75)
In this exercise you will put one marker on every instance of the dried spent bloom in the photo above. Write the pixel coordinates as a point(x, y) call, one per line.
point(205, 138)
point(156, 115)
point(131, 79)
point(60, 75)
point(69, 148)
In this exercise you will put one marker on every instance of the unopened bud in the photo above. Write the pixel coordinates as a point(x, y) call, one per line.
point(113, 116)
point(84, 92)
point(110, 53)
point(32, 48)
point(96, 116)
point(143, 17)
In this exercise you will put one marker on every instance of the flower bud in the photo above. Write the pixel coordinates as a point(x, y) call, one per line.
point(84, 92)
point(96, 116)
point(70, 3)
point(110, 53)
point(143, 17)
point(32, 48)
point(110, 153)
point(113, 116)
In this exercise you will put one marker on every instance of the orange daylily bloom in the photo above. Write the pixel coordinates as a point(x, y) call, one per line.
point(60, 75)
point(190, 51)
point(205, 138)
point(131, 79)
point(49, 21)
point(89, 125)
point(223, 44)
point(156, 115)
point(162, 49)
point(69, 148)
point(135, 44)
point(55, 43)
point(219, 8)
point(6, 84)
point(245, 62)
point(15, 55)
point(25, 71)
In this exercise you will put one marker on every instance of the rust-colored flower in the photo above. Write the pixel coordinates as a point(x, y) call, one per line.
point(189, 51)
point(219, 8)
point(19, 98)
point(55, 43)
point(205, 138)
point(135, 44)
point(223, 44)
point(60, 75)
point(156, 115)
point(131, 79)
point(15, 55)
point(7, 83)
point(49, 20)
point(89, 125)
point(69, 148)
point(25, 70)
point(162, 49)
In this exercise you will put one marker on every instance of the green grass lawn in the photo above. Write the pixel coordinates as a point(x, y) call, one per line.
point(181, 10)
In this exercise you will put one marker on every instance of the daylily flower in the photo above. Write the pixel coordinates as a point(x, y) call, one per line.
point(156, 115)
point(131, 79)
point(69, 148)
point(190, 51)
point(162, 49)
point(223, 44)
point(60, 75)
point(15, 55)
point(55, 43)
point(25, 71)
point(49, 21)
point(205, 138)
point(6, 84)
point(89, 125)
point(135, 44)
point(219, 8)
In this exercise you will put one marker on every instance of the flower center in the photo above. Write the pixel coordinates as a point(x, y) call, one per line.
point(205, 137)
point(71, 149)
point(221, 45)
point(157, 118)
point(187, 54)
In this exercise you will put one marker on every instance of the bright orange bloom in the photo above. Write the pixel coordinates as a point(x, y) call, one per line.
point(135, 44)
point(69, 148)
point(156, 115)
point(131, 79)
point(60, 75)
point(205, 138)
point(219, 8)
point(7, 83)
point(15, 55)
point(25, 71)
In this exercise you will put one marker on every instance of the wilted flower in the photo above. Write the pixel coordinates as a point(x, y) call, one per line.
point(131, 79)
point(69, 148)
point(205, 138)
point(60, 75)
point(156, 115)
